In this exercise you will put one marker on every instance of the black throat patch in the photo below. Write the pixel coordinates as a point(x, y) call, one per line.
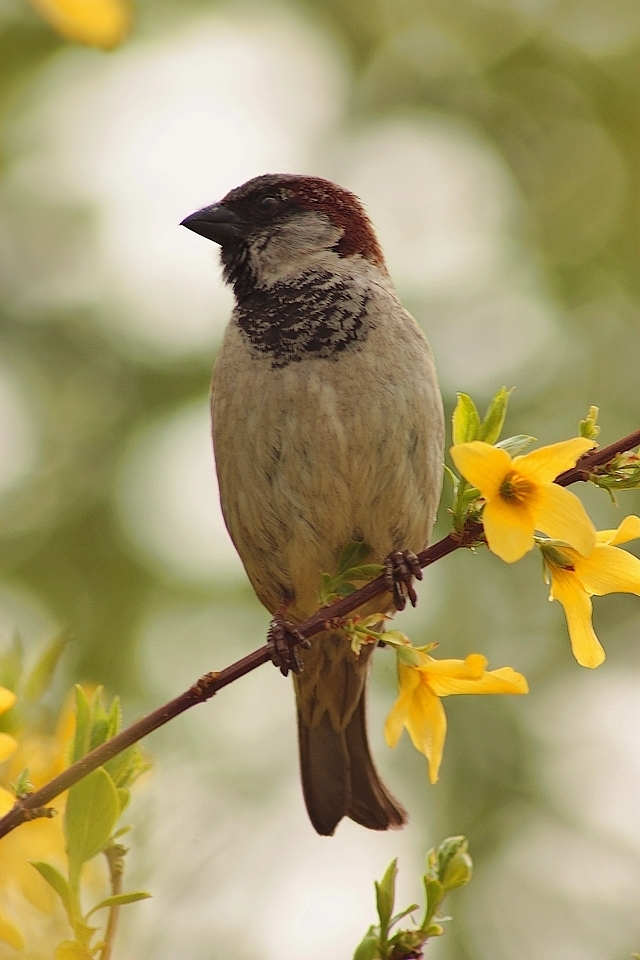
point(319, 317)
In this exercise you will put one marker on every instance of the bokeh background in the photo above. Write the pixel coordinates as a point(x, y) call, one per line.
point(496, 145)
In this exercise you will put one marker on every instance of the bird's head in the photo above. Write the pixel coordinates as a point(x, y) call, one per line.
point(278, 227)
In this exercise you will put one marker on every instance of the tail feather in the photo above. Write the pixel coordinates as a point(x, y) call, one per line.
point(370, 803)
point(339, 778)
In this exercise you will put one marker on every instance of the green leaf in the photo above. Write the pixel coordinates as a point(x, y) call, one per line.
point(55, 879)
point(366, 571)
point(345, 590)
point(353, 555)
point(368, 948)
point(515, 445)
point(83, 725)
point(39, 679)
point(494, 417)
point(385, 896)
point(71, 950)
point(124, 798)
point(92, 810)
point(121, 832)
point(465, 422)
point(119, 900)
point(115, 717)
point(434, 893)
point(399, 916)
point(122, 767)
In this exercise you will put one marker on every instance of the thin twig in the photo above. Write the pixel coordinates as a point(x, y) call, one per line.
point(115, 858)
point(210, 683)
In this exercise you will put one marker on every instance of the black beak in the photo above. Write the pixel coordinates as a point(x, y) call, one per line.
point(216, 223)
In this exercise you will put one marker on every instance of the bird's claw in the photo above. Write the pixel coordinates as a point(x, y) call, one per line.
point(401, 568)
point(284, 639)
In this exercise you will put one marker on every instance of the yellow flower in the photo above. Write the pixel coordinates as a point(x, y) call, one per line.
point(41, 839)
point(418, 707)
point(575, 579)
point(8, 747)
point(521, 497)
point(98, 23)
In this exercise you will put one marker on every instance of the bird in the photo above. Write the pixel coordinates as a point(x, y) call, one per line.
point(328, 429)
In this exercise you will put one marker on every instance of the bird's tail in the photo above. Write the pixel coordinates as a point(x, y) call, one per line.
point(339, 778)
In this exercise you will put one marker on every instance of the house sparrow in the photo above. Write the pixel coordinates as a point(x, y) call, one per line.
point(327, 428)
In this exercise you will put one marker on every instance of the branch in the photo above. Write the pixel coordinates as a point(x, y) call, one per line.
point(210, 683)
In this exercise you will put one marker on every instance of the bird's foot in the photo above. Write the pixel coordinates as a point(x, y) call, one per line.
point(284, 639)
point(401, 568)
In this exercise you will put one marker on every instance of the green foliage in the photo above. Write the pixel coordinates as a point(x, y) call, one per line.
point(448, 867)
point(93, 808)
point(467, 426)
point(351, 573)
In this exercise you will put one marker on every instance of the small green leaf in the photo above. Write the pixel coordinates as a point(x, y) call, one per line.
point(366, 571)
point(92, 810)
point(124, 798)
point(39, 679)
point(345, 589)
point(385, 897)
point(55, 879)
point(83, 725)
point(352, 555)
point(115, 718)
point(119, 900)
point(466, 420)
point(515, 445)
point(434, 893)
point(368, 948)
point(494, 417)
point(99, 733)
point(22, 785)
point(405, 913)
point(71, 950)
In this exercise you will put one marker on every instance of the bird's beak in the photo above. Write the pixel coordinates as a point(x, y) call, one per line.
point(216, 223)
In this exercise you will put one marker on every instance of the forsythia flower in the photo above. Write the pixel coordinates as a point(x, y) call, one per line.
point(8, 747)
point(575, 579)
point(521, 497)
point(98, 23)
point(41, 839)
point(418, 707)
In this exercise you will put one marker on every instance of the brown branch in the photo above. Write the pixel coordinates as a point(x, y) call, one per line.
point(210, 683)
point(115, 858)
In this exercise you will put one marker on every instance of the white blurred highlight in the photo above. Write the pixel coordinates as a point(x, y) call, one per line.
point(167, 499)
point(156, 130)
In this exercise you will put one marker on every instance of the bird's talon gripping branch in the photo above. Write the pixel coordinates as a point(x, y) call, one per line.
point(284, 640)
point(401, 568)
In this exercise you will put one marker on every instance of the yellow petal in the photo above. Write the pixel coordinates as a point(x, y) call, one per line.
point(7, 699)
point(469, 669)
point(99, 23)
point(482, 465)
point(508, 528)
point(8, 746)
point(7, 801)
point(503, 680)
point(608, 570)
point(561, 516)
point(547, 463)
point(629, 529)
point(427, 726)
point(566, 588)
point(9, 933)
point(394, 724)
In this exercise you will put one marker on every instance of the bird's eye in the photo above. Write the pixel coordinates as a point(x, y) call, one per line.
point(268, 203)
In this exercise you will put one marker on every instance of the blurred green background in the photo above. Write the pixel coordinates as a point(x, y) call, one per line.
point(496, 145)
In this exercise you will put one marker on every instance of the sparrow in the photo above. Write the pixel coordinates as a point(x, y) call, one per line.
point(328, 428)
